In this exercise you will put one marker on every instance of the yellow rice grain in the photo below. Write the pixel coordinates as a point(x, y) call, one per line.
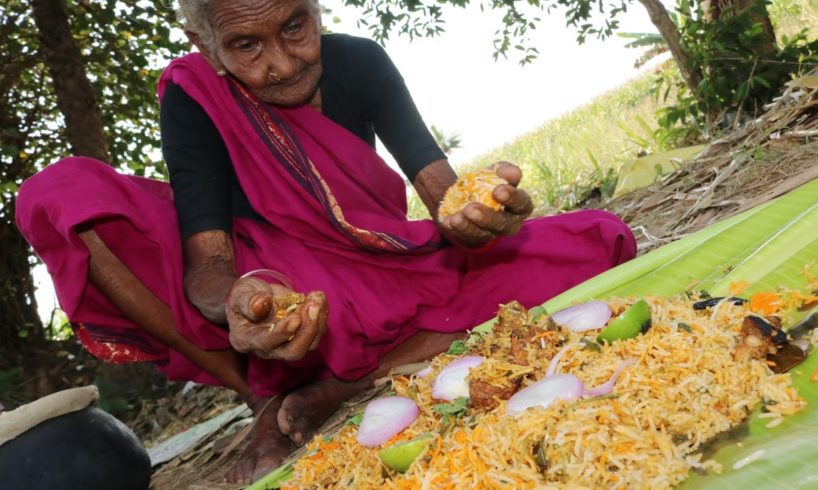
point(684, 389)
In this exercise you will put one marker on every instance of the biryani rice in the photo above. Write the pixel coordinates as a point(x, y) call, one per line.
point(685, 388)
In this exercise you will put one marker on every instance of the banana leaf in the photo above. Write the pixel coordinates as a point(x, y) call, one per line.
point(273, 479)
point(767, 246)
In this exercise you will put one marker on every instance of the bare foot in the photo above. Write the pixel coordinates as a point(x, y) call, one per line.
point(268, 448)
point(304, 410)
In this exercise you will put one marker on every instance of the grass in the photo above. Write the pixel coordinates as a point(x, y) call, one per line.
point(577, 155)
point(567, 157)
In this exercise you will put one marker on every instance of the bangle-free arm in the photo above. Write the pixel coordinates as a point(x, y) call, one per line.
point(210, 272)
point(431, 184)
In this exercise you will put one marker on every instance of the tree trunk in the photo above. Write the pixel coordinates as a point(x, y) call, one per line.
point(21, 330)
point(664, 24)
point(75, 95)
point(716, 9)
point(20, 327)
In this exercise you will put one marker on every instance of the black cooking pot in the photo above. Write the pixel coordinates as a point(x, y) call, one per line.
point(84, 450)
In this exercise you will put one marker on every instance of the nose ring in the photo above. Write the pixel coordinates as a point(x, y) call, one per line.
point(273, 77)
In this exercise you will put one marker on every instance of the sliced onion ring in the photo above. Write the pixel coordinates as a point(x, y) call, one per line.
point(559, 387)
point(607, 387)
point(451, 381)
point(543, 393)
point(552, 366)
point(584, 316)
point(384, 418)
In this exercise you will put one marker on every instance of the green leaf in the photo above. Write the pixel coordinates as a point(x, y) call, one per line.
point(356, 419)
point(762, 81)
point(456, 408)
point(458, 347)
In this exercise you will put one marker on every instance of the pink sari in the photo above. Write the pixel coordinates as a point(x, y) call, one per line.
point(334, 220)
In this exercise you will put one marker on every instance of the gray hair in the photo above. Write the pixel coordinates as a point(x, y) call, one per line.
point(194, 16)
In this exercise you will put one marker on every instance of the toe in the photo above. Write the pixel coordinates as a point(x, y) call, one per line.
point(240, 473)
point(285, 420)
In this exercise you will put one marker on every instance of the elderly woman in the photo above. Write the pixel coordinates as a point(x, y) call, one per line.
point(268, 134)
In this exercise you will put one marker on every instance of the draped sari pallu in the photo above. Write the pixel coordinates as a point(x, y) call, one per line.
point(334, 220)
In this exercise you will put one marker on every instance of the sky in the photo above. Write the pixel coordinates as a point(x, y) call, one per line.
point(458, 86)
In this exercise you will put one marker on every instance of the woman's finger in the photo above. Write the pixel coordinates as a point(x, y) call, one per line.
point(252, 299)
point(316, 311)
point(516, 201)
point(510, 172)
point(261, 340)
point(298, 345)
point(259, 306)
point(488, 221)
point(464, 229)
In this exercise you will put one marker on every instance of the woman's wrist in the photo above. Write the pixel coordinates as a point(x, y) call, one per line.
point(207, 289)
point(254, 291)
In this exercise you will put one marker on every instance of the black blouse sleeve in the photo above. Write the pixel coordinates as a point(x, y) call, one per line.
point(372, 81)
point(396, 119)
point(206, 192)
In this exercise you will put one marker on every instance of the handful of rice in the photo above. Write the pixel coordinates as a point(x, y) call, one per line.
point(475, 186)
point(686, 387)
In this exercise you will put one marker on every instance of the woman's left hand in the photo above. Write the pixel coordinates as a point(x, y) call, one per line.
point(477, 224)
point(255, 326)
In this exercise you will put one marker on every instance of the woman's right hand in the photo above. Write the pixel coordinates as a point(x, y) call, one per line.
point(254, 328)
point(477, 224)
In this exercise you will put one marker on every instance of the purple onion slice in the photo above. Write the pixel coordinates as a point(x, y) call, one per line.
point(451, 381)
point(584, 316)
point(384, 418)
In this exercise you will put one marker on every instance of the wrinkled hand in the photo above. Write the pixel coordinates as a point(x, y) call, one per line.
point(477, 224)
point(253, 327)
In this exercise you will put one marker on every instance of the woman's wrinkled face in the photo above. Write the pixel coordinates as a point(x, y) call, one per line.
point(272, 46)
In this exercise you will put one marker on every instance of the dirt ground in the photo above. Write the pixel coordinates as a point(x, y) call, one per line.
point(752, 165)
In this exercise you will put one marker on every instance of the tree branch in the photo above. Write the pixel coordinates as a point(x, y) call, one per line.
point(661, 19)
point(75, 95)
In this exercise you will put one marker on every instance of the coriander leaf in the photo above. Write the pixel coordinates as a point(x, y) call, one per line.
point(456, 408)
point(356, 419)
point(458, 347)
